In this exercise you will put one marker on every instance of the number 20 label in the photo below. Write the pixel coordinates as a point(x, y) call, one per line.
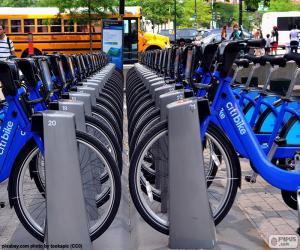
point(51, 123)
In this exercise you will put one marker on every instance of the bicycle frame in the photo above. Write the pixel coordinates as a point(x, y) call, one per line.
point(15, 132)
point(226, 111)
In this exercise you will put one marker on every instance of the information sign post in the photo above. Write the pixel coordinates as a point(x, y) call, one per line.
point(112, 41)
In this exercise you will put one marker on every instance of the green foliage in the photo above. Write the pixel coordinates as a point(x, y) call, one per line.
point(283, 5)
point(203, 14)
point(98, 8)
point(253, 4)
point(157, 11)
point(19, 3)
point(227, 14)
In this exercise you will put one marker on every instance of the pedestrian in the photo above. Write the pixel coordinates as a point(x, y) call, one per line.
point(224, 33)
point(235, 35)
point(258, 51)
point(275, 39)
point(181, 42)
point(268, 45)
point(6, 45)
point(294, 40)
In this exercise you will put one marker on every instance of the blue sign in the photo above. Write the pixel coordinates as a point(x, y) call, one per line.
point(112, 41)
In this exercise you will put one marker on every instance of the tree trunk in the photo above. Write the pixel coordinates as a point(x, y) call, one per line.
point(240, 13)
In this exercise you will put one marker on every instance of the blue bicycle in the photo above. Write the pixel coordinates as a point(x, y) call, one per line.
point(228, 131)
point(22, 145)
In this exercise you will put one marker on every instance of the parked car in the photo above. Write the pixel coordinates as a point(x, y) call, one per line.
point(206, 33)
point(188, 35)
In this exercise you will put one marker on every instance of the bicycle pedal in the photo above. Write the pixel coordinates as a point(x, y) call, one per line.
point(2, 204)
point(250, 179)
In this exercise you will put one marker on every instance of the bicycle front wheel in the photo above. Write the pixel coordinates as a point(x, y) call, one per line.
point(29, 200)
point(152, 150)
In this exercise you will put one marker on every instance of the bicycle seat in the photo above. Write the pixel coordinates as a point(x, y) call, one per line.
point(242, 62)
point(275, 60)
point(256, 59)
point(29, 70)
point(208, 56)
point(294, 57)
point(9, 77)
point(227, 54)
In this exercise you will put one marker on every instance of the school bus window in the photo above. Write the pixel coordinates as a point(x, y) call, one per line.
point(16, 26)
point(82, 27)
point(69, 25)
point(96, 27)
point(29, 26)
point(4, 22)
point(55, 25)
point(42, 26)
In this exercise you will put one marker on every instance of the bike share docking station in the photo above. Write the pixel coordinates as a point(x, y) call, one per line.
point(190, 218)
point(66, 219)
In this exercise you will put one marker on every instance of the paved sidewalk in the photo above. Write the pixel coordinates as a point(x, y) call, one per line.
point(264, 207)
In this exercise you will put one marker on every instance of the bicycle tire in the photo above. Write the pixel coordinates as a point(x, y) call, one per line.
point(103, 116)
point(16, 199)
point(134, 183)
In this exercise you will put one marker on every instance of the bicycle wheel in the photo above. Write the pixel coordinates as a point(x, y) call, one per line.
point(103, 134)
point(103, 116)
point(221, 191)
point(29, 202)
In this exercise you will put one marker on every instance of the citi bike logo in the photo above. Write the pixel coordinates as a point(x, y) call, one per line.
point(5, 136)
point(235, 114)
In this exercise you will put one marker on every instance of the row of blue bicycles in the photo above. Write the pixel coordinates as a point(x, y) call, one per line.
point(40, 83)
point(241, 121)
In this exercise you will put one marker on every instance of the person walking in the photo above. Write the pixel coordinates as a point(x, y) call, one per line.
point(235, 35)
point(275, 39)
point(268, 45)
point(6, 45)
point(294, 40)
point(224, 33)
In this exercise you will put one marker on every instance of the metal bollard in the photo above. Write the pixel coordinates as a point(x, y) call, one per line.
point(190, 217)
point(66, 221)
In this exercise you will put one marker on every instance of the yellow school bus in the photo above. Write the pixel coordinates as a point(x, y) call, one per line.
point(54, 32)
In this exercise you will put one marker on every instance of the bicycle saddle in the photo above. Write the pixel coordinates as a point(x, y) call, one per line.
point(209, 52)
point(9, 77)
point(29, 70)
point(256, 59)
point(227, 54)
point(293, 56)
point(275, 60)
point(242, 62)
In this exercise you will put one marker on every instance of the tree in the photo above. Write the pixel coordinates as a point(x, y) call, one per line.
point(252, 5)
point(90, 10)
point(27, 3)
point(157, 11)
point(20, 3)
point(203, 13)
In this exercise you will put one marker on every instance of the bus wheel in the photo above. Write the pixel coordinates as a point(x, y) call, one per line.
point(152, 47)
point(36, 53)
